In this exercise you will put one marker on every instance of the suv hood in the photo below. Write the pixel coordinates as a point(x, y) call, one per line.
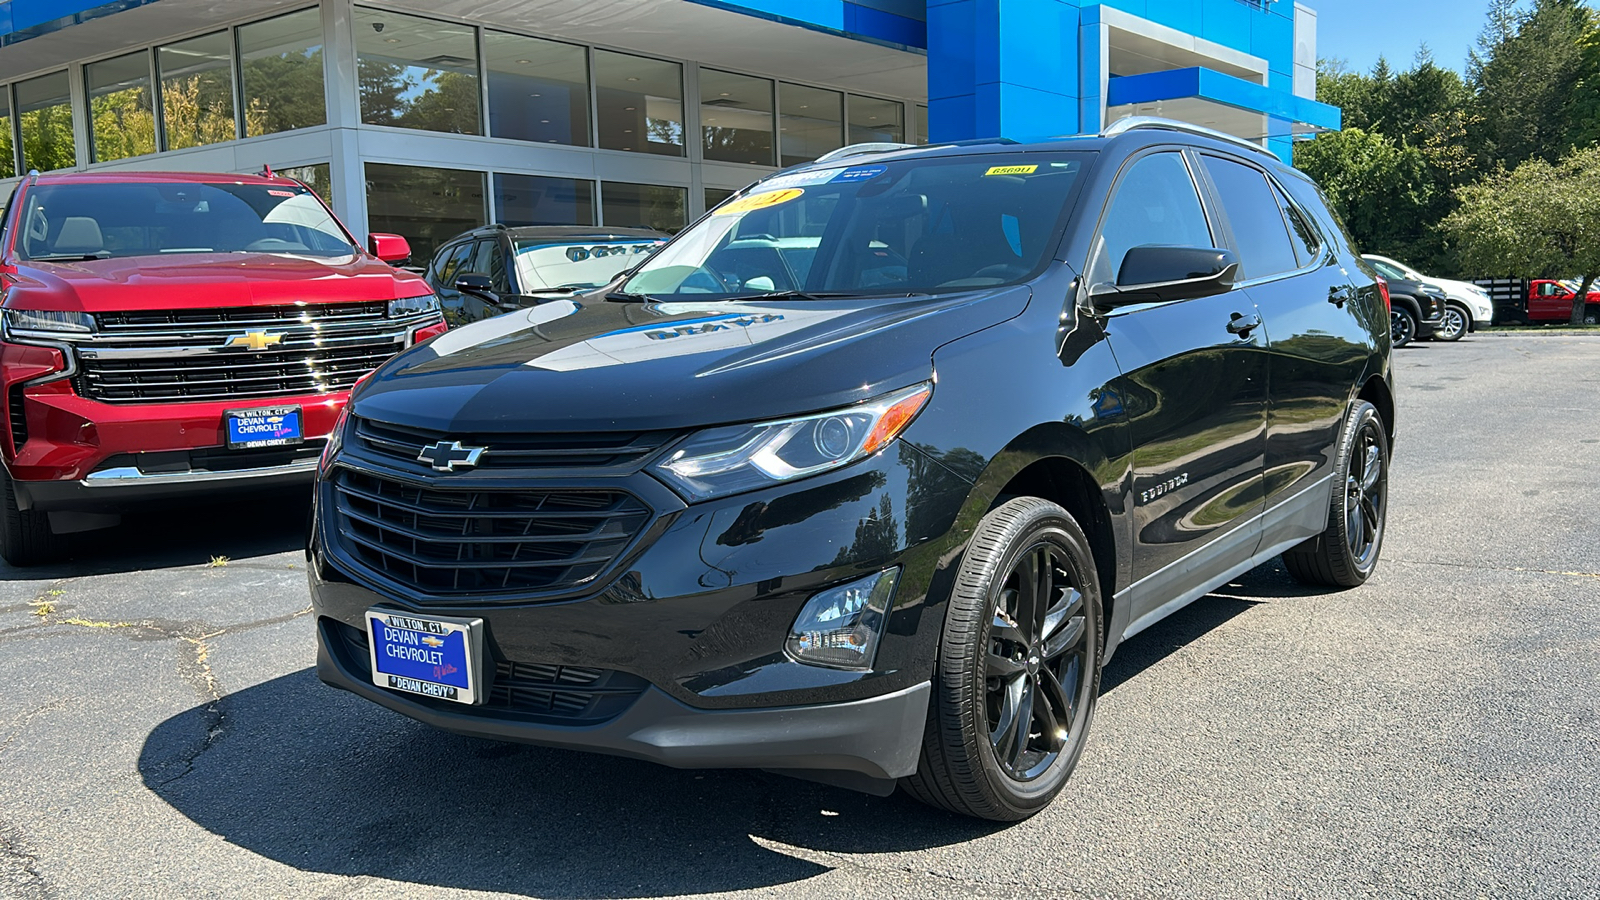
point(596, 365)
point(202, 280)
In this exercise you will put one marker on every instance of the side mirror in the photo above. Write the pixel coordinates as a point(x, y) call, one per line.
point(391, 248)
point(1157, 274)
point(477, 285)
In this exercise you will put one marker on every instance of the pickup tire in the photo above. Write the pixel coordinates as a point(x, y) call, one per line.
point(1455, 324)
point(1402, 326)
point(1591, 314)
point(1345, 554)
point(25, 535)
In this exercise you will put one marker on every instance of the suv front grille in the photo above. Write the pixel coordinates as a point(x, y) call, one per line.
point(550, 450)
point(575, 695)
point(468, 543)
point(245, 352)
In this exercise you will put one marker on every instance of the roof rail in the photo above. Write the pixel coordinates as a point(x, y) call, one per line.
point(1140, 123)
point(859, 149)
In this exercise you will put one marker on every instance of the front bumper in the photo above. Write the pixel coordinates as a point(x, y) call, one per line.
point(876, 739)
point(695, 619)
point(116, 489)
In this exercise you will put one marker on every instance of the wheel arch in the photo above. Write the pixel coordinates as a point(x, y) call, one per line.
point(1376, 391)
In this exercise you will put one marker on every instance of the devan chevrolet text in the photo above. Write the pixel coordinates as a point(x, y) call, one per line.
point(864, 476)
point(172, 335)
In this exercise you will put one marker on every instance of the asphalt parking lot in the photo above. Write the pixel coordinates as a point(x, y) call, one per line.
point(1434, 733)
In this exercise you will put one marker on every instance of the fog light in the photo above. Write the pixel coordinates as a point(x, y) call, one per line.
point(840, 627)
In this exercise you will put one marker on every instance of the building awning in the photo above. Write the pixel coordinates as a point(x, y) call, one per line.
point(1221, 101)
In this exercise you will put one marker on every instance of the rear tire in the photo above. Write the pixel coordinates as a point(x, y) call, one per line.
point(1402, 326)
point(1591, 315)
point(1454, 325)
point(1019, 667)
point(25, 535)
point(1346, 553)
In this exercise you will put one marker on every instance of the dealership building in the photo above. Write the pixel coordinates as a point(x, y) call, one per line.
point(427, 118)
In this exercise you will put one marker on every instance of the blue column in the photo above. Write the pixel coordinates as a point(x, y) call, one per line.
point(1002, 68)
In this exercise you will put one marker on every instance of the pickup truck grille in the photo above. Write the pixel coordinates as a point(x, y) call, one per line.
point(465, 544)
point(245, 352)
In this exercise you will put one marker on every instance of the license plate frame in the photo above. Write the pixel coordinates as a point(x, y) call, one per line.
point(408, 673)
point(288, 430)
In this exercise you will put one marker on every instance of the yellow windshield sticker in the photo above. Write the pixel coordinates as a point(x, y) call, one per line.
point(1011, 170)
point(758, 201)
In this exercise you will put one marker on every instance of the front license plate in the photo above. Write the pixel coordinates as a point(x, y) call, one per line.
point(428, 655)
point(278, 426)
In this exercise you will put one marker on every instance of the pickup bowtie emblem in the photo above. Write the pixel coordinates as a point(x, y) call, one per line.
point(254, 340)
point(447, 457)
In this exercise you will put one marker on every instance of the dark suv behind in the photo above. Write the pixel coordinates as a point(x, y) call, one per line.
point(866, 474)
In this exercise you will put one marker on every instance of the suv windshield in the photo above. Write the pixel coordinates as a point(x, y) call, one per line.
point(910, 226)
point(102, 221)
point(543, 265)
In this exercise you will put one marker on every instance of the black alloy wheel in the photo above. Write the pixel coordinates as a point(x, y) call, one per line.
point(1402, 326)
point(1038, 650)
point(1454, 325)
point(1346, 553)
point(1019, 667)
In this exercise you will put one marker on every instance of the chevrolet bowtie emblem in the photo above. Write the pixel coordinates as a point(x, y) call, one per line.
point(445, 457)
point(432, 641)
point(254, 340)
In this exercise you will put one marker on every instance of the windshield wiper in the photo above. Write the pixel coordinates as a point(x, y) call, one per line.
point(822, 295)
point(70, 257)
point(626, 297)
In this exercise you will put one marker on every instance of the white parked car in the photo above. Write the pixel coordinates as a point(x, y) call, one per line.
point(1467, 306)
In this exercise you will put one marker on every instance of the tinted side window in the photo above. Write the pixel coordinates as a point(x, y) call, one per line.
point(1155, 203)
point(1254, 214)
point(1302, 236)
point(447, 263)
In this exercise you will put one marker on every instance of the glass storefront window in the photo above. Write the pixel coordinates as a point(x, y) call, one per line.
point(538, 200)
point(316, 176)
point(641, 103)
point(538, 90)
point(44, 110)
point(811, 122)
point(715, 196)
point(735, 118)
point(417, 73)
point(426, 206)
point(122, 114)
point(647, 205)
point(8, 150)
point(280, 65)
point(873, 120)
point(197, 91)
point(922, 124)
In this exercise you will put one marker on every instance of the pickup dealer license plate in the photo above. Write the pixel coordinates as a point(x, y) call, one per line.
point(278, 426)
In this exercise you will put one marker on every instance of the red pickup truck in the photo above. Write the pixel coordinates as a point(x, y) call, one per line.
point(1551, 301)
point(166, 335)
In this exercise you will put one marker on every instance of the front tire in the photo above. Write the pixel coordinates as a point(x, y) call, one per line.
point(1454, 325)
point(25, 535)
point(1346, 553)
point(1402, 326)
point(1019, 667)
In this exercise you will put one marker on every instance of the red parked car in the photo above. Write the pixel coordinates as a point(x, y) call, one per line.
point(172, 334)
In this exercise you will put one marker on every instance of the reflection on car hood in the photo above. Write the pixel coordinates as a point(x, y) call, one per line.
point(603, 366)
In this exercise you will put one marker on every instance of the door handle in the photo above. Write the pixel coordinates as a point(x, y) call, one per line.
point(1339, 296)
point(1242, 324)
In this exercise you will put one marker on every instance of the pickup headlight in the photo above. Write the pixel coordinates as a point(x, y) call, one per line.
point(414, 306)
point(738, 458)
point(47, 323)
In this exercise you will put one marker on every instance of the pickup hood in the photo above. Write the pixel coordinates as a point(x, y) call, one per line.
point(596, 365)
point(203, 280)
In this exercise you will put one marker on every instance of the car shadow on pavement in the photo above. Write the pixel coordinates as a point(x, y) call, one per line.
point(320, 780)
point(188, 535)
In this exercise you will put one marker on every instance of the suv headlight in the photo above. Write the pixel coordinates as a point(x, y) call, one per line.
point(47, 323)
point(414, 306)
point(738, 458)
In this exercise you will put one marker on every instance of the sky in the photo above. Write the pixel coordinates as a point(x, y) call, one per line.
point(1357, 31)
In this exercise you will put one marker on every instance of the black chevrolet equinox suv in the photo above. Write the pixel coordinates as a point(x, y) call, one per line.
point(864, 476)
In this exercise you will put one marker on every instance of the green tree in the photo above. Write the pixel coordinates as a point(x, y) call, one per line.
point(123, 124)
point(1540, 220)
point(289, 89)
point(47, 141)
point(1380, 188)
point(1530, 76)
